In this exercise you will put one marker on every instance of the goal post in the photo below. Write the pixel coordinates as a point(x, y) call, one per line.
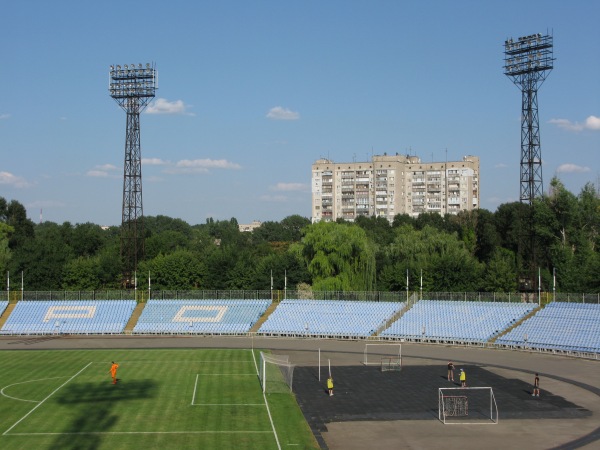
point(276, 373)
point(390, 363)
point(467, 405)
point(387, 356)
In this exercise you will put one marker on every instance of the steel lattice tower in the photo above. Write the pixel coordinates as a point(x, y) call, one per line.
point(527, 62)
point(132, 88)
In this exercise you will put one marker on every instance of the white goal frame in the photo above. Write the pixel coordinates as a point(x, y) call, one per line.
point(454, 403)
point(269, 385)
point(393, 355)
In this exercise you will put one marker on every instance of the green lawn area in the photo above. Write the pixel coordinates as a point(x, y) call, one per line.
point(167, 399)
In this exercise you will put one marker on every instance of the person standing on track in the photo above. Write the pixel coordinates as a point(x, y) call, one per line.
point(463, 378)
point(113, 372)
point(330, 385)
point(536, 386)
point(450, 371)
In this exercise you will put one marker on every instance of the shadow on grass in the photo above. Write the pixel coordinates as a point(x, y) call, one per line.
point(106, 392)
point(85, 432)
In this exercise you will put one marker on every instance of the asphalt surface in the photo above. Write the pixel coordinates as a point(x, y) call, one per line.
point(399, 410)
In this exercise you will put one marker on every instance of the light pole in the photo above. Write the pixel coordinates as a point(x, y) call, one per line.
point(527, 62)
point(132, 87)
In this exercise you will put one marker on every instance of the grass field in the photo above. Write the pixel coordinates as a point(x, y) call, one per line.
point(167, 399)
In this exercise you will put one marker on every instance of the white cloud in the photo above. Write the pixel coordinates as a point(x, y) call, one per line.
point(154, 162)
point(102, 171)
point(182, 166)
point(164, 106)
point(287, 187)
point(13, 180)
point(106, 167)
point(201, 165)
point(591, 123)
point(501, 166)
point(572, 168)
point(4, 116)
point(280, 113)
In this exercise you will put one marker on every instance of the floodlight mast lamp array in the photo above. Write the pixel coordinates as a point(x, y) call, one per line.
point(527, 62)
point(132, 87)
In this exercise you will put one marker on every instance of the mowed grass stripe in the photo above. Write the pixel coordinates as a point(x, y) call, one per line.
point(233, 389)
point(143, 396)
point(150, 407)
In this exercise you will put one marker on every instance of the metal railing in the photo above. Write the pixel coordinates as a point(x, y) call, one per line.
point(142, 295)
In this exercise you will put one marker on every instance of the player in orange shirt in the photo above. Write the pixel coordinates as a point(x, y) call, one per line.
point(113, 372)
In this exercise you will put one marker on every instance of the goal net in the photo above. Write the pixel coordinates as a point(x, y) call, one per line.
point(275, 373)
point(386, 356)
point(390, 364)
point(468, 405)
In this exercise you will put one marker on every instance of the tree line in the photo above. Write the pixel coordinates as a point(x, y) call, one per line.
point(471, 251)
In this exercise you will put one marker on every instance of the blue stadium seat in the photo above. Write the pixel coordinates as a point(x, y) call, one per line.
point(328, 318)
point(560, 326)
point(69, 317)
point(456, 321)
point(212, 316)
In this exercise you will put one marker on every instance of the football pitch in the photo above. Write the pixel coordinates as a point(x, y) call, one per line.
point(167, 399)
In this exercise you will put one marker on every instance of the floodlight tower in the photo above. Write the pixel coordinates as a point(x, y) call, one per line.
point(527, 62)
point(132, 87)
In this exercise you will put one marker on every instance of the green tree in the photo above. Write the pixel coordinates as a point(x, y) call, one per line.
point(165, 242)
point(43, 258)
point(339, 257)
point(15, 215)
point(500, 272)
point(181, 269)
point(5, 253)
point(588, 220)
point(488, 238)
point(81, 274)
point(442, 257)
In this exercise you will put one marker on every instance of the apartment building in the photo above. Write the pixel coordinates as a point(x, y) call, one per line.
point(390, 185)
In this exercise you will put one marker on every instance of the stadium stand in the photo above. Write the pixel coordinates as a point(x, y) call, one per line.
point(568, 327)
point(69, 317)
point(200, 316)
point(3, 305)
point(328, 318)
point(456, 321)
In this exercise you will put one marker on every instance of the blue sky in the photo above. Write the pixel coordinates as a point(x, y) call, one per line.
point(251, 93)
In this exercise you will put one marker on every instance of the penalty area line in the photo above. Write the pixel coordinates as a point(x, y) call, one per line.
point(42, 402)
point(195, 386)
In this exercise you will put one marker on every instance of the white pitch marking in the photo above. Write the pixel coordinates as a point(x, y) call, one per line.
point(23, 382)
point(42, 402)
point(227, 374)
point(267, 405)
point(195, 385)
point(145, 432)
point(229, 404)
